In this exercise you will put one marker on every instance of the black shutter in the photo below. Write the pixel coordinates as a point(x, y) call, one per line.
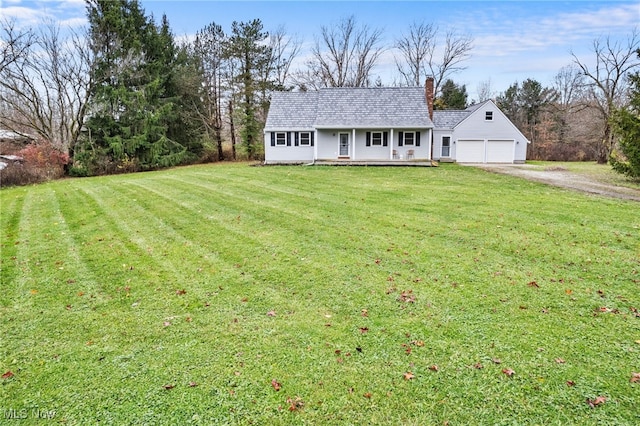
point(400, 139)
point(417, 138)
point(385, 139)
point(312, 133)
point(273, 138)
point(296, 138)
point(288, 138)
point(368, 138)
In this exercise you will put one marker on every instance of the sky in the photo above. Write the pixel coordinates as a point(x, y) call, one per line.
point(513, 40)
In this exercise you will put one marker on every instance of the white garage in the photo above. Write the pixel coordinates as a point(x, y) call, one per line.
point(500, 151)
point(479, 134)
point(470, 151)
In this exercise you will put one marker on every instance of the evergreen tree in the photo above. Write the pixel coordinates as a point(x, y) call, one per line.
point(451, 96)
point(247, 47)
point(626, 123)
point(135, 120)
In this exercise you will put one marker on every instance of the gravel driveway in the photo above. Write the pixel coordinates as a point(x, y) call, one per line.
point(564, 179)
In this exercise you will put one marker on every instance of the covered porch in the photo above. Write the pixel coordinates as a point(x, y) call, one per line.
point(374, 163)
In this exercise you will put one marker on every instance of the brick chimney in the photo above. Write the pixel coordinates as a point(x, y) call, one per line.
point(428, 90)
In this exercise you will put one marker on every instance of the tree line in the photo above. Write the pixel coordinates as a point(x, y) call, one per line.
point(124, 95)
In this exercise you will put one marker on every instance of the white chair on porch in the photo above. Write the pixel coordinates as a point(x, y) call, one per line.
point(410, 154)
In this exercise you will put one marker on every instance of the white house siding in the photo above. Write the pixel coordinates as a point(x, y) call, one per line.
point(475, 126)
point(329, 144)
point(501, 141)
point(470, 151)
point(286, 154)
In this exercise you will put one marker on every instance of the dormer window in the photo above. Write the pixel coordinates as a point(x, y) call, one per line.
point(488, 115)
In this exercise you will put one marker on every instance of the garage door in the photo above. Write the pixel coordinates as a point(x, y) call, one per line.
point(500, 151)
point(470, 151)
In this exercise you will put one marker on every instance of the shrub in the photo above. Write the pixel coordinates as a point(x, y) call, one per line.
point(41, 162)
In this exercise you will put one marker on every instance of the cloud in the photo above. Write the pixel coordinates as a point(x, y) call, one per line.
point(67, 13)
point(508, 37)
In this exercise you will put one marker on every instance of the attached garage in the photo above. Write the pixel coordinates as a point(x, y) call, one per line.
point(500, 151)
point(479, 134)
point(485, 151)
point(470, 151)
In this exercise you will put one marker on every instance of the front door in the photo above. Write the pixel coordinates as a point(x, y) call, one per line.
point(344, 144)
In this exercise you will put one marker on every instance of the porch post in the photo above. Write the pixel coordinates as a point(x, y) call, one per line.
point(353, 131)
point(315, 145)
point(391, 144)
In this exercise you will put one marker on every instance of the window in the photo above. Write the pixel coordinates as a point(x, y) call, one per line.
point(305, 139)
point(409, 138)
point(376, 138)
point(488, 115)
point(446, 146)
point(281, 139)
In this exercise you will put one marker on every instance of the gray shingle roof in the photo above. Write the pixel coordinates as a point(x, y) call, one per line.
point(292, 110)
point(373, 107)
point(447, 119)
point(348, 107)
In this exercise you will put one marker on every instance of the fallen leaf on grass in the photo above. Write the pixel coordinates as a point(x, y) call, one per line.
point(570, 383)
point(167, 387)
point(271, 313)
point(367, 395)
point(597, 401)
point(635, 377)
point(408, 375)
point(533, 284)
point(192, 384)
point(478, 366)
point(295, 403)
point(7, 375)
point(560, 361)
point(407, 296)
point(364, 313)
point(166, 323)
point(497, 361)
point(509, 372)
point(276, 386)
point(433, 367)
point(364, 330)
point(181, 292)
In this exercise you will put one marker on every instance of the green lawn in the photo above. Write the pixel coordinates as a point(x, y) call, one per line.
point(320, 295)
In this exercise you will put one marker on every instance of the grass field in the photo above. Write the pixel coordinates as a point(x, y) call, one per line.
point(319, 295)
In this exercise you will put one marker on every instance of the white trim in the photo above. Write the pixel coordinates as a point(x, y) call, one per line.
point(391, 144)
point(442, 145)
point(300, 139)
point(276, 138)
point(353, 141)
point(379, 133)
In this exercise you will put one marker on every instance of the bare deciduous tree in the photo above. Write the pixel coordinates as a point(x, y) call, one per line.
point(14, 43)
point(344, 55)
point(605, 81)
point(284, 50)
point(484, 90)
point(420, 54)
point(416, 47)
point(45, 89)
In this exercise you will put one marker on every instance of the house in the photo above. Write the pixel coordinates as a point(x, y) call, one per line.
point(385, 124)
point(478, 134)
